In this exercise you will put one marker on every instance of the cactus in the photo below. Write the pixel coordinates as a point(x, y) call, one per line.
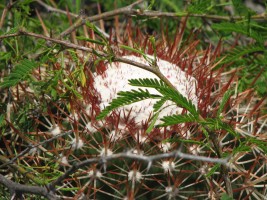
point(130, 116)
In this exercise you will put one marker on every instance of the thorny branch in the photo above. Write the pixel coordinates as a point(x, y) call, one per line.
point(17, 190)
point(115, 58)
point(148, 159)
point(82, 20)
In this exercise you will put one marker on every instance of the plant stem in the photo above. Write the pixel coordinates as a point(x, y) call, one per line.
point(128, 10)
point(22, 171)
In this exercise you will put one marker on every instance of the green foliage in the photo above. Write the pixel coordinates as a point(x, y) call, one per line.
point(236, 53)
point(2, 120)
point(129, 97)
point(141, 52)
point(159, 104)
point(260, 84)
point(254, 68)
point(217, 124)
point(226, 197)
point(98, 33)
point(179, 99)
point(24, 6)
point(12, 30)
point(167, 92)
point(259, 143)
point(248, 55)
point(90, 40)
point(199, 6)
point(252, 62)
point(126, 98)
point(240, 8)
point(49, 86)
point(146, 82)
point(153, 121)
point(241, 28)
point(243, 147)
point(177, 119)
point(225, 98)
point(212, 170)
point(20, 73)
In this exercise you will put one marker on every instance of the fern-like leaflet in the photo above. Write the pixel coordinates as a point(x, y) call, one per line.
point(159, 104)
point(167, 92)
point(218, 124)
point(238, 52)
point(243, 29)
point(127, 98)
point(20, 73)
point(177, 119)
point(199, 7)
point(225, 98)
point(148, 82)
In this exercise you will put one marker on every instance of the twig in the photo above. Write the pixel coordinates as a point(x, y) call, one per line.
point(159, 14)
point(67, 44)
point(21, 170)
point(128, 10)
point(52, 9)
point(142, 158)
point(16, 189)
point(5, 10)
point(81, 21)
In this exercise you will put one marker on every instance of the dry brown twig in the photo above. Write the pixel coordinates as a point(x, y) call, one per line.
point(147, 159)
point(48, 191)
point(128, 10)
point(17, 190)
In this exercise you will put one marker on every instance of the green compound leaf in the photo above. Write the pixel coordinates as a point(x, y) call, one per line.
point(226, 197)
point(148, 82)
point(238, 52)
point(225, 98)
point(133, 50)
point(243, 29)
point(218, 124)
point(177, 119)
point(159, 104)
point(199, 7)
point(167, 92)
point(127, 98)
point(179, 99)
point(20, 73)
point(213, 170)
point(91, 40)
point(154, 120)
